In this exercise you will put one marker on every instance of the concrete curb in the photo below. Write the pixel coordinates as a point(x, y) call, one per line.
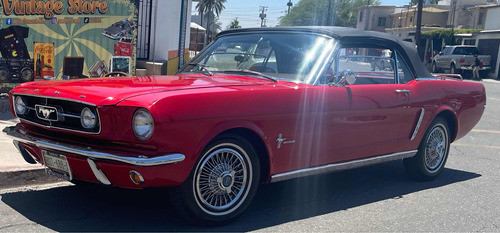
point(23, 177)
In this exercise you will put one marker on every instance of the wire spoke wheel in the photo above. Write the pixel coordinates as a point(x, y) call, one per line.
point(432, 153)
point(436, 147)
point(222, 179)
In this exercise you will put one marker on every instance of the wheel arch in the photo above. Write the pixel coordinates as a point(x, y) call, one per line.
point(450, 118)
point(250, 132)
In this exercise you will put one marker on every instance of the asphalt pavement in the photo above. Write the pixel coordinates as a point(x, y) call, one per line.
point(464, 198)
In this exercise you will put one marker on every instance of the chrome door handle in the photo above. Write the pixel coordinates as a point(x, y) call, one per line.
point(406, 92)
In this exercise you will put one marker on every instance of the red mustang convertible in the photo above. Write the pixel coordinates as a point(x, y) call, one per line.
point(256, 106)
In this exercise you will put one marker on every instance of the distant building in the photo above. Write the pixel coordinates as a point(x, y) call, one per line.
point(405, 20)
point(375, 18)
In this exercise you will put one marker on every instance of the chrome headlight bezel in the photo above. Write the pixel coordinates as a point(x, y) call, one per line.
point(88, 114)
point(19, 105)
point(143, 124)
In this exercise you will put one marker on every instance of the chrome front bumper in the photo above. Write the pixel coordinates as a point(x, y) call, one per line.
point(19, 135)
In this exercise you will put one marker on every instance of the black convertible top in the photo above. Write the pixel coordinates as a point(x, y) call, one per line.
point(351, 36)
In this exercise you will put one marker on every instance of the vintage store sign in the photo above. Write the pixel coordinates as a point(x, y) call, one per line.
point(52, 7)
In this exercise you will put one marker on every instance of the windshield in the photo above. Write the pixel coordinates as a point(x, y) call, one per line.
point(284, 56)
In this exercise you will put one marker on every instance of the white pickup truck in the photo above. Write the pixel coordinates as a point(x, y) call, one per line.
point(459, 58)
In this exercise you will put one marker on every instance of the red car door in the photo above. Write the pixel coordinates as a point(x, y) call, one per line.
point(358, 121)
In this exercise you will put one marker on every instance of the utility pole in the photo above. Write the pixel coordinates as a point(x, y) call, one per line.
point(453, 13)
point(289, 4)
point(262, 16)
point(418, 31)
point(329, 14)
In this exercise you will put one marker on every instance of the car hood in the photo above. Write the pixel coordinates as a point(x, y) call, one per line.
point(110, 91)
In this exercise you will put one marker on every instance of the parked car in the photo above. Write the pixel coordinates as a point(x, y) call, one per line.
point(307, 104)
point(119, 29)
point(459, 58)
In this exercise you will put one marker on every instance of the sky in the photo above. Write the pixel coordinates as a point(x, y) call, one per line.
point(248, 11)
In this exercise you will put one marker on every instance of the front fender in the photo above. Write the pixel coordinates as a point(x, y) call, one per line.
point(231, 125)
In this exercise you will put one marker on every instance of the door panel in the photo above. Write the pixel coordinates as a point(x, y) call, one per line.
point(357, 121)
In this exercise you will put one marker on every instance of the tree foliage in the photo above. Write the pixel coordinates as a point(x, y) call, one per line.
point(234, 24)
point(447, 34)
point(208, 8)
point(315, 13)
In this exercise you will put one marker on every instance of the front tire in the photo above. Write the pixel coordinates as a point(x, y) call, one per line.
point(222, 182)
point(432, 153)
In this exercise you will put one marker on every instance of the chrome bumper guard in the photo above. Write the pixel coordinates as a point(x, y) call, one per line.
point(20, 136)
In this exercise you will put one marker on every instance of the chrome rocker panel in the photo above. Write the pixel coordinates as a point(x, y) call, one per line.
point(334, 167)
point(20, 136)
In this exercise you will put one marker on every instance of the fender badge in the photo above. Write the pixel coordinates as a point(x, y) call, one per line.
point(281, 140)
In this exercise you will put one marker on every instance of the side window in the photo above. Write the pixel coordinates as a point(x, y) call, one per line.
point(369, 65)
point(404, 73)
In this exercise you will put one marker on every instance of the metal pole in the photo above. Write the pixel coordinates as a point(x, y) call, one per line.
point(418, 32)
point(329, 14)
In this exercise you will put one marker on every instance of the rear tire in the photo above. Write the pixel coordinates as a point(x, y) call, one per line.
point(432, 153)
point(434, 69)
point(453, 69)
point(221, 184)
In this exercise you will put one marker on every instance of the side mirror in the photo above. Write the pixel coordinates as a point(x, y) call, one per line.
point(440, 53)
point(348, 78)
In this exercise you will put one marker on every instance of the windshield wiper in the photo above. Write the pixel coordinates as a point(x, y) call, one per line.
point(251, 72)
point(202, 67)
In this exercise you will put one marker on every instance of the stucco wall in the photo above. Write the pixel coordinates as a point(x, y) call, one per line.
point(165, 32)
point(493, 19)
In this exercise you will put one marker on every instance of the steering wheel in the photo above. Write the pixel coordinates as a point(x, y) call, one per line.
point(116, 74)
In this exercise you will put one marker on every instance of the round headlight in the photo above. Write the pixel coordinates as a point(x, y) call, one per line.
point(87, 118)
point(20, 106)
point(143, 125)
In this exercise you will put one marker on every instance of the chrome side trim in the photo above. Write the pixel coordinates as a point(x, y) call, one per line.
point(98, 173)
point(422, 111)
point(20, 135)
point(342, 166)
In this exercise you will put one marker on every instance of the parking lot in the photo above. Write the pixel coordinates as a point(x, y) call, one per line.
point(379, 198)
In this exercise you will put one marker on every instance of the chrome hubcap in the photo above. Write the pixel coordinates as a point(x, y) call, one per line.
point(436, 148)
point(221, 180)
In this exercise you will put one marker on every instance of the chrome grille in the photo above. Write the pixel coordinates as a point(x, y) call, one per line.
point(68, 113)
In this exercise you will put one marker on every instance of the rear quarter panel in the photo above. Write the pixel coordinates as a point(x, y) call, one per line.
point(464, 100)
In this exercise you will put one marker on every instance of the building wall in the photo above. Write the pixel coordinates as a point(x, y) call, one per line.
point(407, 18)
point(371, 15)
point(165, 33)
point(165, 23)
point(492, 19)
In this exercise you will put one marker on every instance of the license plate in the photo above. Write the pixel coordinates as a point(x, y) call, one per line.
point(57, 165)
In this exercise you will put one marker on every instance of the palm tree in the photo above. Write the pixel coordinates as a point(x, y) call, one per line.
point(234, 24)
point(210, 6)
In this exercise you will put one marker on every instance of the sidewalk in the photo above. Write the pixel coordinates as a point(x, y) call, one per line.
point(14, 171)
point(491, 81)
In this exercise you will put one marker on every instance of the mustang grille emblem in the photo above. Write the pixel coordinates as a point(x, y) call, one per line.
point(47, 113)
